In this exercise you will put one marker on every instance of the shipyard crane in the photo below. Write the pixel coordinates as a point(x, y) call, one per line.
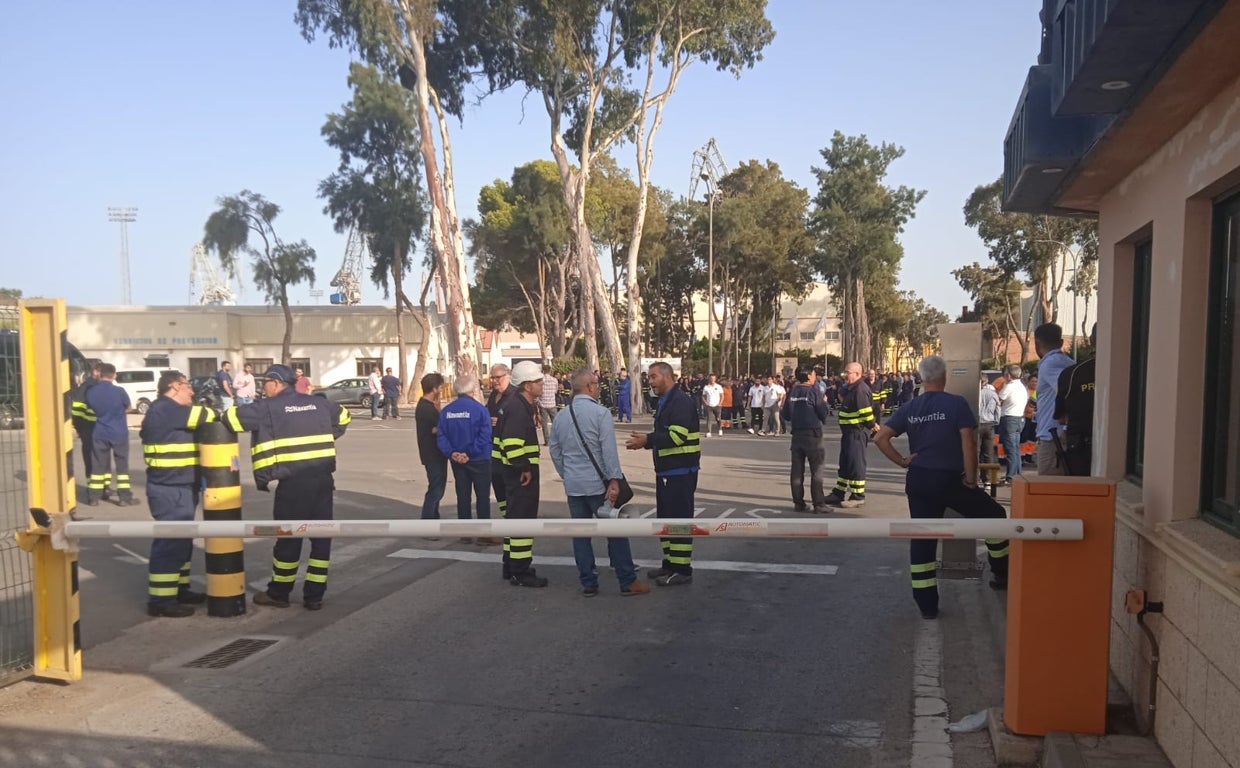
point(348, 280)
point(206, 284)
point(708, 166)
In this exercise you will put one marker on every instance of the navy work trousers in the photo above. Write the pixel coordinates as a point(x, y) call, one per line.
point(305, 497)
point(932, 492)
point(674, 498)
point(168, 571)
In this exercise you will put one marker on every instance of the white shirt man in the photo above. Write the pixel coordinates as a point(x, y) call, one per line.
point(757, 396)
point(375, 383)
point(1014, 398)
point(772, 402)
point(712, 396)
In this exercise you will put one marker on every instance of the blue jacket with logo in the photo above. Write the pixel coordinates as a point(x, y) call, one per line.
point(465, 426)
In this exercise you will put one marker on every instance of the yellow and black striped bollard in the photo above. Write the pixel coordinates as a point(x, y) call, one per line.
point(221, 500)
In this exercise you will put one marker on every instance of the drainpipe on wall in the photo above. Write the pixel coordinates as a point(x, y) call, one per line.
point(1136, 602)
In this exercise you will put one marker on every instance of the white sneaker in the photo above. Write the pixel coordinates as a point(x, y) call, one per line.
point(750, 431)
point(706, 435)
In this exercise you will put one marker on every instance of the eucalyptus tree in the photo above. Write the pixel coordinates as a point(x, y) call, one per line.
point(858, 219)
point(376, 191)
point(245, 224)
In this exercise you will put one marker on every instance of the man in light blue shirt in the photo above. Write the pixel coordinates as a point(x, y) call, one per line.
point(1048, 341)
point(585, 426)
point(989, 411)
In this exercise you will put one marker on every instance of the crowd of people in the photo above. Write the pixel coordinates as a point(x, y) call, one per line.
point(495, 449)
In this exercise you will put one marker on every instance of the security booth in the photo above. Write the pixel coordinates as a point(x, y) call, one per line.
point(962, 345)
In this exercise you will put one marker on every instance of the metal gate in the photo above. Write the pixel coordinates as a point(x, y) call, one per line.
point(16, 603)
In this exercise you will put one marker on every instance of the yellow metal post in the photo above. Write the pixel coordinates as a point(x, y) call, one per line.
point(46, 384)
point(221, 500)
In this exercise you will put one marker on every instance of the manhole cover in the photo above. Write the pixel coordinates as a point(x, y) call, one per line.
point(230, 654)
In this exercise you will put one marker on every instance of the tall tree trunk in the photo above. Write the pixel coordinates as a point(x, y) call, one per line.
point(398, 277)
point(419, 316)
point(286, 348)
point(447, 243)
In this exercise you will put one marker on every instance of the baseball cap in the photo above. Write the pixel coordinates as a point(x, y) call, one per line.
point(281, 373)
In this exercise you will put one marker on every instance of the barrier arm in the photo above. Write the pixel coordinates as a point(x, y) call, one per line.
point(46, 385)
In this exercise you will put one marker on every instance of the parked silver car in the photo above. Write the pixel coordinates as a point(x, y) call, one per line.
point(348, 392)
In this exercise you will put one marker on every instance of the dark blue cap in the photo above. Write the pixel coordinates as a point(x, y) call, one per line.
point(281, 373)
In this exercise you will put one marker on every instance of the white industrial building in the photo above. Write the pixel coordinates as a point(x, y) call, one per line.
point(329, 342)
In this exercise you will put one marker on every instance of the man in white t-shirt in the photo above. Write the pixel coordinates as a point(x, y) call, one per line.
point(757, 396)
point(772, 402)
point(375, 383)
point(1012, 400)
point(712, 398)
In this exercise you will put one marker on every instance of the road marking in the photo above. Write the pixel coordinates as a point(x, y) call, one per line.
point(727, 511)
point(704, 565)
point(932, 744)
point(141, 560)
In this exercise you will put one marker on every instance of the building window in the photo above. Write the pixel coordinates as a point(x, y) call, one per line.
point(785, 337)
point(808, 335)
point(202, 366)
point(259, 364)
point(831, 335)
point(303, 363)
point(1221, 449)
point(155, 361)
point(364, 364)
point(1139, 359)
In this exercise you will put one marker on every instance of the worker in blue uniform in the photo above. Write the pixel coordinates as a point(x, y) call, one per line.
point(173, 479)
point(110, 440)
point(942, 473)
point(675, 441)
point(293, 445)
point(805, 410)
point(84, 420)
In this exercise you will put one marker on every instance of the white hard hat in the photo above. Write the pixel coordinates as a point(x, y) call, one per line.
point(526, 370)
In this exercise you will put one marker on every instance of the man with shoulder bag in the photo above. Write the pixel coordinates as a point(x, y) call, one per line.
point(583, 449)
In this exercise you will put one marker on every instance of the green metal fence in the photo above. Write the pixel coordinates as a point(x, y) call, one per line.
point(16, 604)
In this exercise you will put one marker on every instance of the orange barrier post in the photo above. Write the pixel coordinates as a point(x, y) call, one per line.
point(1059, 613)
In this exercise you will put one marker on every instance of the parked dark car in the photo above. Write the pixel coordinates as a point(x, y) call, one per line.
point(11, 411)
point(348, 392)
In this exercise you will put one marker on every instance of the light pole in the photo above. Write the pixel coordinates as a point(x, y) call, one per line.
point(710, 275)
point(124, 216)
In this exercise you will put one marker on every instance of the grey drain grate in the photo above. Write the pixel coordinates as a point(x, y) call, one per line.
point(230, 654)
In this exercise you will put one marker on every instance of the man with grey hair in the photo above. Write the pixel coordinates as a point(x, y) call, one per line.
point(583, 449)
point(1012, 401)
point(464, 436)
point(501, 392)
point(942, 473)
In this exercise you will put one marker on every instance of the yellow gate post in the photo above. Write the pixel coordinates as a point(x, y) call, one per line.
point(46, 385)
point(221, 500)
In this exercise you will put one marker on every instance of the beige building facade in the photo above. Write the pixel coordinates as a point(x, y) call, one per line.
point(1161, 170)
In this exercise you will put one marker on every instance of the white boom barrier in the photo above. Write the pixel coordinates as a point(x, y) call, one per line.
point(68, 532)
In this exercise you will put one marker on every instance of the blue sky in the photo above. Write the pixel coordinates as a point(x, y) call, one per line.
point(168, 105)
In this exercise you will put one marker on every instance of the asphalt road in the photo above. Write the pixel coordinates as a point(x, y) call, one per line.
point(434, 661)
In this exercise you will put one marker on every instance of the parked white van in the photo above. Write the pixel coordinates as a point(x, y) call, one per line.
point(141, 384)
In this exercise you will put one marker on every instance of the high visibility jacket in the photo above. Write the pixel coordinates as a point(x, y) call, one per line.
point(676, 439)
point(857, 407)
point(83, 414)
point(168, 443)
point(294, 434)
point(516, 436)
point(495, 403)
